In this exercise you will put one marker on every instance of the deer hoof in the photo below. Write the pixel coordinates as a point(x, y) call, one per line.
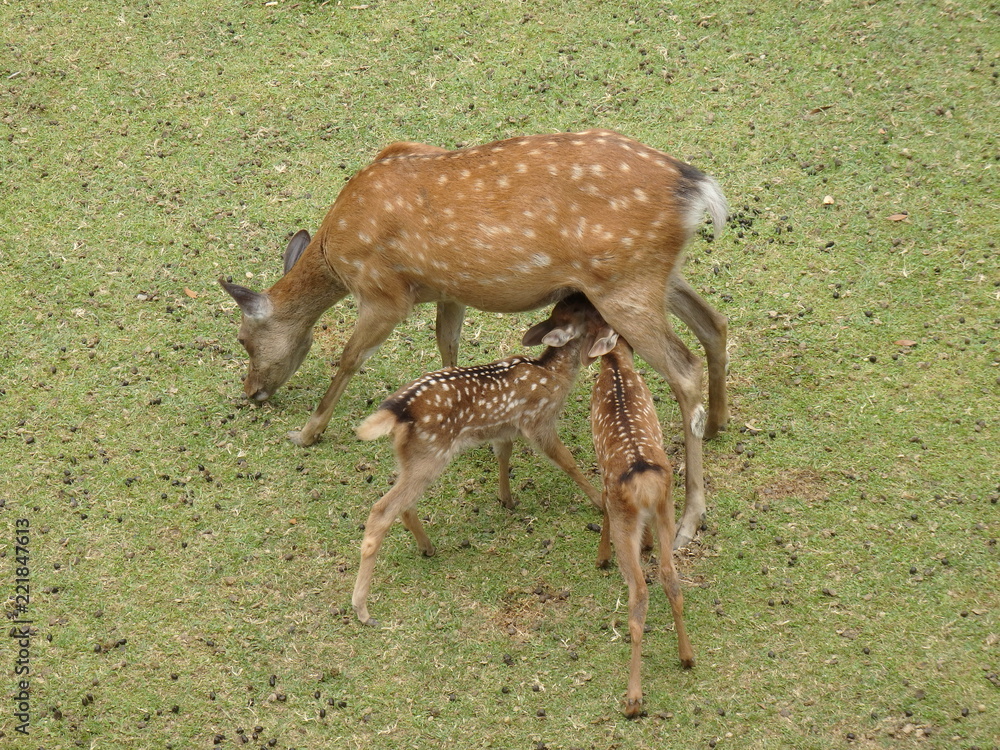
point(633, 709)
point(682, 539)
point(300, 438)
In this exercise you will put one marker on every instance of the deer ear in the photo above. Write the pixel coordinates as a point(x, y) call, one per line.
point(534, 335)
point(560, 336)
point(602, 345)
point(296, 245)
point(253, 304)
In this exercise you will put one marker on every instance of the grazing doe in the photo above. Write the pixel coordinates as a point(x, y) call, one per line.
point(435, 417)
point(637, 480)
point(504, 227)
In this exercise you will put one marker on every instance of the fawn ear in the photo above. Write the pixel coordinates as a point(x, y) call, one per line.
point(253, 304)
point(536, 334)
point(560, 336)
point(601, 346)
point(296, 245)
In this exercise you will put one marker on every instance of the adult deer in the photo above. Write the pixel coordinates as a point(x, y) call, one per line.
point(505, 227)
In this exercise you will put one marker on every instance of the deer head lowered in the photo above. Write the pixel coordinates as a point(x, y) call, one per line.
point(504, 227)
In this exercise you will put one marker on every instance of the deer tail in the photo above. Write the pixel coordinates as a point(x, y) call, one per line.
point(649, 484)
point(378, 424)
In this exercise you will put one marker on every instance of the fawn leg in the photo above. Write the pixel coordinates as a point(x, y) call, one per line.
point(547, 441)
point(669, 578)
point(411, 521)
point(626, 529)
point(399, 499)
point(502, 449)
point(604, 546)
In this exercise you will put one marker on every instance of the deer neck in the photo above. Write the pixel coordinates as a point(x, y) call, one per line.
point(564, 361)
point(308, 288)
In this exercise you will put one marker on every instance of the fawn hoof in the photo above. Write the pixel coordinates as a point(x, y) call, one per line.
point(688, 663)
point(429, 552)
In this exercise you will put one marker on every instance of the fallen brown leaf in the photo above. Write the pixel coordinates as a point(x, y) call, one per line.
point(898, 217)
point(191, 294)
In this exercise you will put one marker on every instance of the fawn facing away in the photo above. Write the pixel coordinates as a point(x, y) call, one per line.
point(504, 227)
point(435, 417)
point(637, 480)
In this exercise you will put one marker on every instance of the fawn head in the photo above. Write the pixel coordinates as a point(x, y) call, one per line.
point(574, 317)
point(276, 346)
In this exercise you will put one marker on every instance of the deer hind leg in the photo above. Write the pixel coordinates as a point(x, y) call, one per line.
point(626, 530)
point(710, 327)
point(646, 327)
point(503, 449)
point(398, 501)
point(448, 329)
point(544, 437)
point(376, 320)
point(668, 575)
point(411, 521)
point(604, 546)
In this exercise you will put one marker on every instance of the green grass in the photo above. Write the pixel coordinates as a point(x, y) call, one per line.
point(184, 556)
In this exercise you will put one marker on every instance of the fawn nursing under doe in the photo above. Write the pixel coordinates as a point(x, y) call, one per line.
point(435, 417)
point(637, 480)
point(509, 226)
